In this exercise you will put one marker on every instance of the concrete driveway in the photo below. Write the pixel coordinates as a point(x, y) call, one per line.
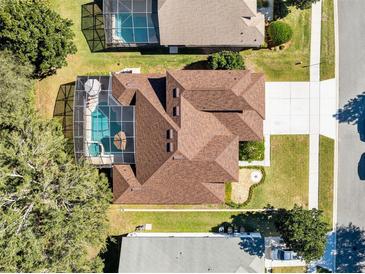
point(289, 111)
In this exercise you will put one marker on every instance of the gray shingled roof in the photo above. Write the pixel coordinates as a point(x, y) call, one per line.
point(185, 254)
point(210, 22)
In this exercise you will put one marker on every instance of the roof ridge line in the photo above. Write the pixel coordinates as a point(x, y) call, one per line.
point(248, 88)
point(163, 114)
point(233, 139)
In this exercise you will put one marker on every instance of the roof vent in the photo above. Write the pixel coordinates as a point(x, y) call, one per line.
point(92, 87)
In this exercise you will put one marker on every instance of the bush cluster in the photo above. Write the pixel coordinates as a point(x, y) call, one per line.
point(226, 60)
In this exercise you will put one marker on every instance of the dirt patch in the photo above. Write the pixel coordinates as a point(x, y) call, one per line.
point(240, 190)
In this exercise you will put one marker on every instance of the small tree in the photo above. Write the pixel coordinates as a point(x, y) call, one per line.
point(226, 60)
point(302, 4)
point(36, 34)
point(304, 231)
point(279, 33)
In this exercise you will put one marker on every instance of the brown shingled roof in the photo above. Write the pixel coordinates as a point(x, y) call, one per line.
point(217, 109)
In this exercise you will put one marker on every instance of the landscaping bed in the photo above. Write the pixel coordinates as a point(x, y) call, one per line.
point(252, 151)
point(239, 194)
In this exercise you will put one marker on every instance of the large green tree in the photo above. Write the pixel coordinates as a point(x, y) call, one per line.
point(304, 231)
point(36, 34)
point(52, 211)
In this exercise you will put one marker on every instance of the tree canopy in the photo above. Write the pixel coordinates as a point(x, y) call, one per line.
point(302, 4)
point(36, 34)
point(226, 60)
point(304, 231)
point(52, 211)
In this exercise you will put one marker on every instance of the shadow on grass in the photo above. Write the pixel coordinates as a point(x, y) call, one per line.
point(350, 249)
point(63, 111)
point(260, 221)
point(112, 254)
point(92, 26)
point(199, 65)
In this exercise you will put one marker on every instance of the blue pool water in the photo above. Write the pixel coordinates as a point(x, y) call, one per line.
point(94, 150)
point(103, 130)
point(137, 27)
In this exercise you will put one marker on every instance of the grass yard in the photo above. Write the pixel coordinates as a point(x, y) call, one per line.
point(126, 222)
point(326, 170)
point(289, 269)
point(280, 65)
point(327, 41)
point(286, 180)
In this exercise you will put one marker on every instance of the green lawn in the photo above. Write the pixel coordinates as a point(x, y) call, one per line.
point(289, 269)
point(286, 180)
point(328, 41)
point(125, 222)
point(326, 170)
point(280, 65)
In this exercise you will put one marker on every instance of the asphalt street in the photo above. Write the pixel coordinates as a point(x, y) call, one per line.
point(351, 137)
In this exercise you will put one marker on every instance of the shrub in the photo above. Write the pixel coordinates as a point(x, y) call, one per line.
point(36, 34)
point(226, 60)
point(252, 151)
point(280, 33)
point(280, 9)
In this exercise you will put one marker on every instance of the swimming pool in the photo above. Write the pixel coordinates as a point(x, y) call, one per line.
point(95, 127)
point(137, 27)
point(106, 122)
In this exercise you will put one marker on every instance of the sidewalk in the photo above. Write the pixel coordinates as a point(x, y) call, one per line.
point(315, 59)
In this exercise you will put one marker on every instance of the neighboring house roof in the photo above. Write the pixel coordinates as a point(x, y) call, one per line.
point(204, 143)
point(210, 22)
point(189, 254)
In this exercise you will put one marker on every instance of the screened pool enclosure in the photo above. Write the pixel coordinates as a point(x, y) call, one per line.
point(104, 131)
point(130, 22)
